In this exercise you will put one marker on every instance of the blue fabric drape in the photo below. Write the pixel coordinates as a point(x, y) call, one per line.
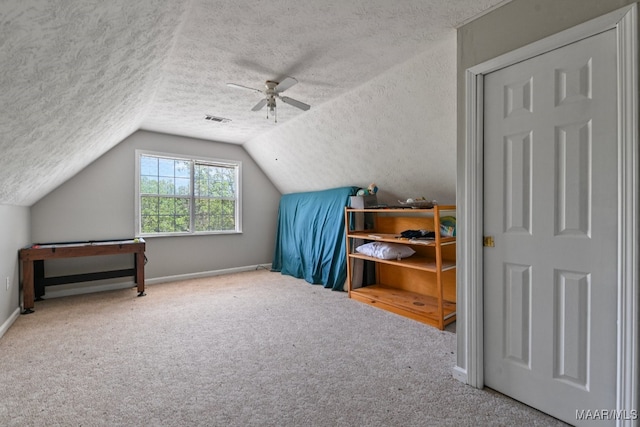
point(310, 237)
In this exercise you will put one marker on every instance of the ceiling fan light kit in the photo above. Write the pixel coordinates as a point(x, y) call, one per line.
point(272, 92)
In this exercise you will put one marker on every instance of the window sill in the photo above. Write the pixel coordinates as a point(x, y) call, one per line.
point(203, 233)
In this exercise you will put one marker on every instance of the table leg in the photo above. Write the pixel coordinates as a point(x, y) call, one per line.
point(27, 287)
point(139, 265)
point(38, 279)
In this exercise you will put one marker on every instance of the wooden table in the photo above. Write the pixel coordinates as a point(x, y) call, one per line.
point(33, 257)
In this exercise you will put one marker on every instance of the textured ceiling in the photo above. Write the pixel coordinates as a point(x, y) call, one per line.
point(79, 76)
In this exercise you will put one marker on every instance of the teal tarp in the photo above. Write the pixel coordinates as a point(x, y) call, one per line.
point(310, 238)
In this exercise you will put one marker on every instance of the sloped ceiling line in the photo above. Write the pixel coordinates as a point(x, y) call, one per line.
point(79, 76)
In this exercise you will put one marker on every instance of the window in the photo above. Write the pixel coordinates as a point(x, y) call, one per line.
point(178, 195)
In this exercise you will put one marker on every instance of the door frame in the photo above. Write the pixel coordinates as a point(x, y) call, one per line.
point(470, 203)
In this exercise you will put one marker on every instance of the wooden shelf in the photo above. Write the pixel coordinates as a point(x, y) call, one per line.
point(419, 307)
point(421, 287)
point(441, 208)
point(396, 238)
point(415, 262)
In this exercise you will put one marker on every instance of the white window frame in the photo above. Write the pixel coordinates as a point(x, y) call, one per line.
point(193, 159)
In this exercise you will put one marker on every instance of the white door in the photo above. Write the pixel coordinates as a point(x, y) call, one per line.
point(550, 202)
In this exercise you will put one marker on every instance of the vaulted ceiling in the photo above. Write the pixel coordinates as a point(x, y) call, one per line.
point(79, 76)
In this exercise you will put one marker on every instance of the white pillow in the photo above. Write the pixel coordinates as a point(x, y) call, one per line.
point(384, 250)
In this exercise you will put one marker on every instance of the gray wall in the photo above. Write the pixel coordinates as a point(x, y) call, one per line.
point(98, 203)
point(14, 234)
point(505, 29)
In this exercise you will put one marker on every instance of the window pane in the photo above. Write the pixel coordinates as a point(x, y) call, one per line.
point(201, 180)
point(183, 169)
point(148, 165)
point(201, 206)
point(166, 224)
point(166, 167)
point(149, 184)
point(182, 207)
point(167, 206)
point(202, 214)
point(228, 216)
point(202, 223)
point(149, 205)
point(215, 186)
point(183, 186)
point(228, 207)
point(182, 223)
point(166, 186)
point(228, 223)
point(228, 189)
point(149, 224)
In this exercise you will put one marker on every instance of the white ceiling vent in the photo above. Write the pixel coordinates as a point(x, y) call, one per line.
point(216, 119)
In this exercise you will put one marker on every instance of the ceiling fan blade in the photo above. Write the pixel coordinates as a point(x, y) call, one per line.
point(295, 103)
point(260, 104)
point(243, 87)
point(285, 84)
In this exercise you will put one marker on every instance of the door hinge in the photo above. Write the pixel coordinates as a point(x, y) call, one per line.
point(488, 242)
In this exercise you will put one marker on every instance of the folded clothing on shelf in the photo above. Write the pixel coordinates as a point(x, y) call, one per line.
point(418, 234)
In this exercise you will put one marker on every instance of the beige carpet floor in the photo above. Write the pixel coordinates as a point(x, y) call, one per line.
point(248, 349)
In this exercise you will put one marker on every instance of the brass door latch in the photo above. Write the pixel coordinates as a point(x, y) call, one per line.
point(488, 242)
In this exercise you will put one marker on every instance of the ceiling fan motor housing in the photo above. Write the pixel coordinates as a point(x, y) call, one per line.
point(271, 87)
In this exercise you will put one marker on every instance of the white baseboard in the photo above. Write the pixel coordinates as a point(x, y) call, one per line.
point(210, 273)
point(460, 374)
point(85, 288)
point(7, 324)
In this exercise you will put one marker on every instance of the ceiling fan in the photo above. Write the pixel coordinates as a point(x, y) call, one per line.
point(272, 92)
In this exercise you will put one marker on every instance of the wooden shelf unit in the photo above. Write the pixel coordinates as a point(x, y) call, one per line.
point(421, 287)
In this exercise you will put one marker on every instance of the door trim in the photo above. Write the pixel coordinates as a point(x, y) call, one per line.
point(470, 209)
